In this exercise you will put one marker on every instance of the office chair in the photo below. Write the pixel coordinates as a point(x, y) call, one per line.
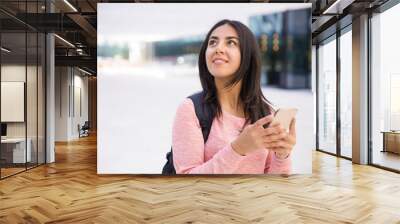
point(84, 130)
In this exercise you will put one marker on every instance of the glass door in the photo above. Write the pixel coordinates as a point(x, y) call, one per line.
point(346, 93)
point(385, 89)
point(327, 95)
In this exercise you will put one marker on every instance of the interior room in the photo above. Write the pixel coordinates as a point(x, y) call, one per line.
point(54, 61)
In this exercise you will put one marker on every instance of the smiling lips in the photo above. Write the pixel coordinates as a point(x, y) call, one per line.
point(219, 61)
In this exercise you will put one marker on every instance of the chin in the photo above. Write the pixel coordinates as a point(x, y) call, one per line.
point(219, 75)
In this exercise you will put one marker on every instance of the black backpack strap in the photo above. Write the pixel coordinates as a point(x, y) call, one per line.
point(203, 112)
point(205, 116)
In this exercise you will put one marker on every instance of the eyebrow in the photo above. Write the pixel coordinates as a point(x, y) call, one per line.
point(230, 37)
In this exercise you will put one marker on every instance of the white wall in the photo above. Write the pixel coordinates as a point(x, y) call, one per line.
point(11, 73)
point(61, 103)
point(33, 126)
point(14, 73)
point(79, 117)
point(12, 100)
point(68, 83)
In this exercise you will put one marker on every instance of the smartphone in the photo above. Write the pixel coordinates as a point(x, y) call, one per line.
point(285, 116)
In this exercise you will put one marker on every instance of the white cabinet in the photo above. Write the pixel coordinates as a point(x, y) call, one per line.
point(18, 149)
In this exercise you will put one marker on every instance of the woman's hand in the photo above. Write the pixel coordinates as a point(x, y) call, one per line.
point(252, 136)
point(284, 146)
point(255, 137)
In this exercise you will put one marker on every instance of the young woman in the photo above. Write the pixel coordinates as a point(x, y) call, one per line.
point(238, 142)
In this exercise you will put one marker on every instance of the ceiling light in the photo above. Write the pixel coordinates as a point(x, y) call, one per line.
point(5, 49)
point(337, 7)
point(65, 41)
point(70, 5)
point(86, 72)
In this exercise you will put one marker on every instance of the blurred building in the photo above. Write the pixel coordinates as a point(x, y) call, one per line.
point(180, 50)
point(284, 40)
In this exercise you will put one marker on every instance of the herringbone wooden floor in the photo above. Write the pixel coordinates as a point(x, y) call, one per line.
point(70, 191)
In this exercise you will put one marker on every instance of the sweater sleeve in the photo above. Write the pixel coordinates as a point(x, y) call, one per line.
point(188, 146)
point(275, 165)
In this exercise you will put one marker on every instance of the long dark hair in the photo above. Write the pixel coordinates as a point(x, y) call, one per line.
point(255, 104)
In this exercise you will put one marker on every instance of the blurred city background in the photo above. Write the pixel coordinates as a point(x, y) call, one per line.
point(283, 38)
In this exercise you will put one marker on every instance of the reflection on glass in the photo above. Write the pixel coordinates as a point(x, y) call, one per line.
point(31, 101)
point(394, 102)
point(385, 85)
point(327, 96)
point(13, 85)
point(22, 91)
point(346, 94)
point(32, 85)
point(41, 97)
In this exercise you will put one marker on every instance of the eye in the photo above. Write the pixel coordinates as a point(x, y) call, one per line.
point(212, 42)
point(232, 43)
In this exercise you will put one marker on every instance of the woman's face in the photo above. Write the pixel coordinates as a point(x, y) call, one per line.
point(223, 52)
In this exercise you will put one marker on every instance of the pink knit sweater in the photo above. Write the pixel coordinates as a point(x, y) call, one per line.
point(216, 156)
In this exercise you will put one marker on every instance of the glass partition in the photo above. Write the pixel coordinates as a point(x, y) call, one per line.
point(22, 77)
point(327, 95)
point(41, 86)
point(13, 94)
point(32, 86)
point(385, 89)
point(346, 93)
point(31, 100)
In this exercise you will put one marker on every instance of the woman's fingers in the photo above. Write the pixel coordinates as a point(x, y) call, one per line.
point(278, 149)
point(278, 140)
point(275, 137)
point(280, 145)
point(273, 129)
point(277, 144)
point(264, 120)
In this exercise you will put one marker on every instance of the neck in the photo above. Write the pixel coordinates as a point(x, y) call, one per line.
point(228, 97)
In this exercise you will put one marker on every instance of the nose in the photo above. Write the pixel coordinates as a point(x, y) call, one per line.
point(219, 48)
